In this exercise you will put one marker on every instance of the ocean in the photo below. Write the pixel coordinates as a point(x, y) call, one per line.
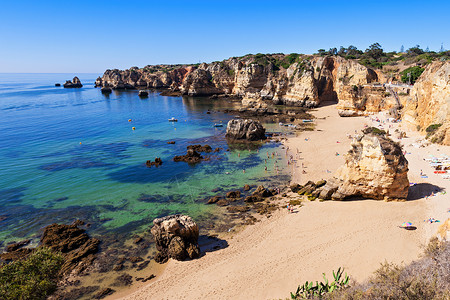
point(68, 154)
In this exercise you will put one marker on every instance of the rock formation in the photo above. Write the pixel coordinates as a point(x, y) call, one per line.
point(284, 79)
point(74, 243)
point(176, 237)
point(429, 101)
point(374, 168)
point(75, 83)
point(243, 129)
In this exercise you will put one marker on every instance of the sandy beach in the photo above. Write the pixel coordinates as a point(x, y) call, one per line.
point(271, 258)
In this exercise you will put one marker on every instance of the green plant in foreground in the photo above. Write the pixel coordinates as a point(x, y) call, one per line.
point(34, 277)
point(309, 290)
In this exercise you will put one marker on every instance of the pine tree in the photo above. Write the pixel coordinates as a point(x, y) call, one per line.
point(442, 48)
point(402, 49)
point(427, 50)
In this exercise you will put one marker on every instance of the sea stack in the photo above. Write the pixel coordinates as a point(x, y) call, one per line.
point(244, 129)
point(75, 83)
point(375, 168)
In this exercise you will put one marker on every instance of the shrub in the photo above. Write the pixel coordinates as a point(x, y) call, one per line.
point(432, 129)
point(34, 277)
point(374, 130)
point(427, 278)
point(415, 73)
point(309, 290)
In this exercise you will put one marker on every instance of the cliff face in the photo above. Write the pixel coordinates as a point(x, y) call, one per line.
point(302, 81)
point(429, 102)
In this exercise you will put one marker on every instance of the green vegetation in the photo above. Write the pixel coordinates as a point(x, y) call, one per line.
point(414, 73)
point(375, 57)
point(432, 129)
point(34, 277)
point(374, 130)
point(427, 278)
point(309, 290)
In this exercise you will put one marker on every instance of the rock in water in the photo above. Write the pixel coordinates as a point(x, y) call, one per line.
point(143, 94)
point(375, 168)
point(75, 83)
point(176, 237)
point(243, 129)
point(106, 90)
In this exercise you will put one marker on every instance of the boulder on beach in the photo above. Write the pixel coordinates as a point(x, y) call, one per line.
point(375, 168)
point(176, 236)
point(75, 83)
point(245, 129)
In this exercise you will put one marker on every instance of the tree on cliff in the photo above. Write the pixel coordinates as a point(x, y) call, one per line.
point(375, 51)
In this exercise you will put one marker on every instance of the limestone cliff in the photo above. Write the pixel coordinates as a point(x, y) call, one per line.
point(429, 101)
point(298, 80)
point(374, 168)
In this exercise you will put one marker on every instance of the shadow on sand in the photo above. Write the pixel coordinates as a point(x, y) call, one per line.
point(210, 244)
point(422, 190)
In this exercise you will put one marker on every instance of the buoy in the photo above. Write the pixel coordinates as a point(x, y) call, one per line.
point(134, 128)
point(80, 143)
point(175, 129)
point(129, 120)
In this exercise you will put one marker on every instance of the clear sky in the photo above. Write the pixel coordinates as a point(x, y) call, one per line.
point(91, 36)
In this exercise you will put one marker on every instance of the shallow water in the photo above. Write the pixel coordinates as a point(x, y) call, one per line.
point(71, 154)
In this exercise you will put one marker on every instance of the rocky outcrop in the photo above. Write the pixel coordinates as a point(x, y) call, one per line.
point(429, 102)
point(374, 168)
point(75, 83)
point(191, 157)
point(284, 79)
point(243, 129)
point(77, 248)
point(176, 237)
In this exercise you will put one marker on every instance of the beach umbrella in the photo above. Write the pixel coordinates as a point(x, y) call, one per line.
point(406, 224)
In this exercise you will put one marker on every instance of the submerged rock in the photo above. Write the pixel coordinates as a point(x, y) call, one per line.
point(244, 129)
point(155, 163)
point(176, 237)
point(375, 168)
point(75, 83)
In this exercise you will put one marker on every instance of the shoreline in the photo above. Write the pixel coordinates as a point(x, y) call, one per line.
point(277, 254)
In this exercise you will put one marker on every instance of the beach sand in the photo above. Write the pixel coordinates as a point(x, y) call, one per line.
point(271, 258)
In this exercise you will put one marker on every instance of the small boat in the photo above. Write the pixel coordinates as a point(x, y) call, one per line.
point(173, 120)
point(218, 125)
point(307, 121)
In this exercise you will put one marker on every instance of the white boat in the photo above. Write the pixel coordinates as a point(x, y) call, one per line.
point(173, 120)
point(218, 125)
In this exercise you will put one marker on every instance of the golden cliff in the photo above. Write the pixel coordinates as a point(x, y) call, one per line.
point(298, 80)
point(429, 103)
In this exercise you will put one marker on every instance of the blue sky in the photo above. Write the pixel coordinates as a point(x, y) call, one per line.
point(91, 36)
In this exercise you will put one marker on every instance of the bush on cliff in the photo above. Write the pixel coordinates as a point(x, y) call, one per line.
point(415, 72)
point(34, 277)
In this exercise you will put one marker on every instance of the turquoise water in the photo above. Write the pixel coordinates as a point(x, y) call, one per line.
point(72, 153)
